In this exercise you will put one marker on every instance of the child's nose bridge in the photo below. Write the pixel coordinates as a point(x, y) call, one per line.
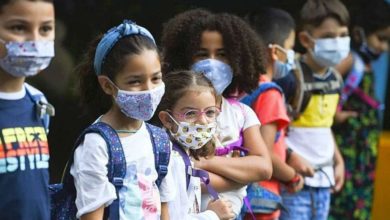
point(202, 118)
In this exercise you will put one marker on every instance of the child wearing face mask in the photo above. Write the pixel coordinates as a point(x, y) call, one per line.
point(211, 44)
point(358, 128)
point(121, 77)
point(26, 48)
point(324, 35)
point(188, 111)
point(277, 30)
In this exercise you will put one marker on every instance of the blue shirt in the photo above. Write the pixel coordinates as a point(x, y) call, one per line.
point(24, 161)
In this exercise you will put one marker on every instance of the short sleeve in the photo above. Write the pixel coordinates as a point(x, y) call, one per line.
point(249, 116)
point(270, 108)
point(168, 187)
point(89, 171)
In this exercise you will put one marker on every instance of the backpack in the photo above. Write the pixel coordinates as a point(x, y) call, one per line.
point(300, 84)
point(249, 99)
point(63, 195)
point(44, 109)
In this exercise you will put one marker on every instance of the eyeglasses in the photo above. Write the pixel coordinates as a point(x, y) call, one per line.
point(211, 114)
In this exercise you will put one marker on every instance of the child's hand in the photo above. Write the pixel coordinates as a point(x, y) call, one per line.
point(300, 165)
point(295, 187)
point(342, 116)
point(223, 208)
point(339, 176)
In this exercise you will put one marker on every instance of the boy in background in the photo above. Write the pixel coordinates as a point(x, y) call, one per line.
point(276, 28)
point(324, 35)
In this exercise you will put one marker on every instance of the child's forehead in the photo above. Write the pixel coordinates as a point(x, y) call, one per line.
point(329, 25)
point(28, 10)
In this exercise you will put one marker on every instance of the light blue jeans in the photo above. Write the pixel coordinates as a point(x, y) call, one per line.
point(311, 203)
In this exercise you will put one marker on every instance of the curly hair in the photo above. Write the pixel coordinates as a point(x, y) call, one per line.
point(181, 38)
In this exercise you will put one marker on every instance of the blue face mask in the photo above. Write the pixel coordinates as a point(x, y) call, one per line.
point(219, 73)
point(282, 69)
point(26, 58)
point(330, 51)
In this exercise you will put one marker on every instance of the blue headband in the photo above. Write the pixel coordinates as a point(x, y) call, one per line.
point(112, 36)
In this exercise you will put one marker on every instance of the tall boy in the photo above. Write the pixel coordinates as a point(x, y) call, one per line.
point(324, 35)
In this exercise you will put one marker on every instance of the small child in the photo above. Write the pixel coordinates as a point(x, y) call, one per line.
point(26, 48)
point(213, 44)
point(121, 76)
point(189, 113)
point(324, 35)
point(277, 30)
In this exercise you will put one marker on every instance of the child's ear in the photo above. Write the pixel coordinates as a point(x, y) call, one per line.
point(165, 119)
point(106, 85)
point(306, 41)
point(273, 52)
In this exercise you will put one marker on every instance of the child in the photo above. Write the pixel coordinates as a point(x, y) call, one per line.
point(324, 35)
point(27, 47)
point(122, 77)
point(189, 103)
point(212, 43)
point(358, 135)
point(277, 30)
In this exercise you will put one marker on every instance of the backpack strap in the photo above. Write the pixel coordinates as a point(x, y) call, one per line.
point(265, 86)
point(116, 164)
point(250, 98)
point(351, 86)
point(161, 149)
point(44, 110)
point(190, 171)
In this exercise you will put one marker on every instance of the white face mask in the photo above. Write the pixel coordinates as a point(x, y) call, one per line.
point(26, 58)
point(193, 136)
point(330, 51)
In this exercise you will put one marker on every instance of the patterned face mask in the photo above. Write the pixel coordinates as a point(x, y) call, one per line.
point(219, 73)
point(139, 105)
point(193, 136)
point(27, 58)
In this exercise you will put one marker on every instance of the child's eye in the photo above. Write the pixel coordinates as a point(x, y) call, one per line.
point(383, 38)
point(134, 82)
point(221, 54)
point(200, 54)
point(46, 29)
point(190, 114)
point(18, 28)
point(157, 78)
point(211, 113)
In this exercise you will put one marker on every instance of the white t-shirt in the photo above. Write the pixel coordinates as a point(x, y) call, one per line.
point(187, 203)
point(234, 117)
point(139, 198)
point(317, 146)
